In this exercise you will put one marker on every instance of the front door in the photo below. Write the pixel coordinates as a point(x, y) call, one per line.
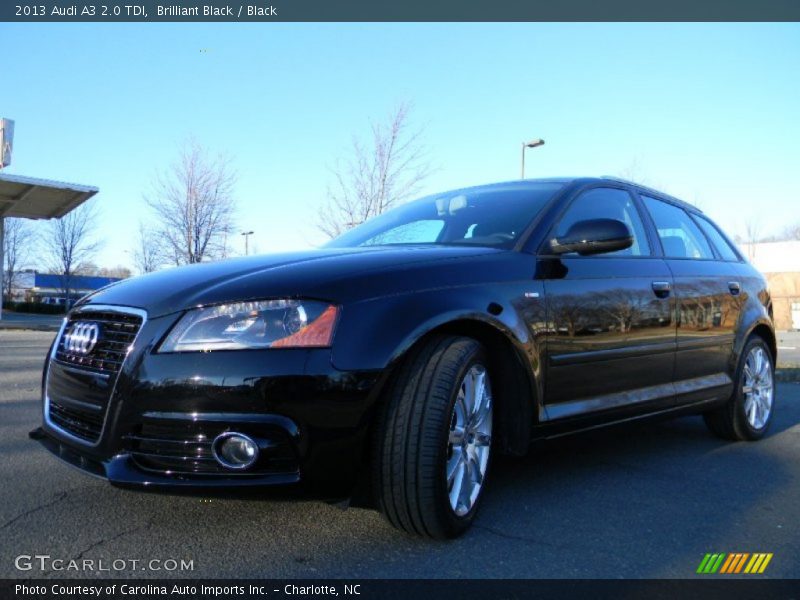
point(611, 329)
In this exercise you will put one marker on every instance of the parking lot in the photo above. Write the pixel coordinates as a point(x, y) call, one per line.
point(644, 501)
point(789, 348)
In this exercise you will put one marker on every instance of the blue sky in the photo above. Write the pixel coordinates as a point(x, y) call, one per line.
point(707, 112)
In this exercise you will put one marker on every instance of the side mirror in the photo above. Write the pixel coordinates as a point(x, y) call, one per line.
point(593, 236)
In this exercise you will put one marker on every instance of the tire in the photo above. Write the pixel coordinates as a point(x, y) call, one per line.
point(418, 438)
point(747, 415)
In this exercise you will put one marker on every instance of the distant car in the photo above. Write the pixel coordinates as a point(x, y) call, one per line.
point(53, 301)
point(389, 365)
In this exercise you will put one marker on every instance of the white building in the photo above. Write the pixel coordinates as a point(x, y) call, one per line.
point(780, 262)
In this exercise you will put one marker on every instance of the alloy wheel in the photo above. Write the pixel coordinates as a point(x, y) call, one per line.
point(758, 387)
point(469, 441)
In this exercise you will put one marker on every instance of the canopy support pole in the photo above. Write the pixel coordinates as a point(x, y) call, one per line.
point(2, 262)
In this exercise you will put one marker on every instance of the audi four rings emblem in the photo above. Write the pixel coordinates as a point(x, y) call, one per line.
point(82, 338)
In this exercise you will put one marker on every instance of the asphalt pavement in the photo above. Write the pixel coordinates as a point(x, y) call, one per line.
point(15, 320)
point(640, 501)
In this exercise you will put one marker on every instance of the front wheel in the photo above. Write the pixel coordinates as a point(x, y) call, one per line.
point(434, 439)
point(748, 413)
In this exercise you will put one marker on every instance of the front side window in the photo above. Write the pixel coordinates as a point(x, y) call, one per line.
point(680, 236)
point(494, 216)
point(607, 203)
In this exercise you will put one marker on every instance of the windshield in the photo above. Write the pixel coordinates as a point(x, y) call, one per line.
point(494, 216)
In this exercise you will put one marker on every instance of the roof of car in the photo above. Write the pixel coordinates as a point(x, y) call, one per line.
point(588, 180)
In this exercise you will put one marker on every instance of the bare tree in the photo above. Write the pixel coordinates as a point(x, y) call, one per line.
point(118, 272)
point(791, 232)
point(752, 231)
point(750, 235)
point(193, 203)
point(636, 173)
point(147, 256)
point(88, 269)
point(377, 176)
point(92, 270)
point(70, 244)
point(18, 240)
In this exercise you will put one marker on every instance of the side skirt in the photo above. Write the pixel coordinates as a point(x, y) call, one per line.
point(548, 432)
point(691, 395)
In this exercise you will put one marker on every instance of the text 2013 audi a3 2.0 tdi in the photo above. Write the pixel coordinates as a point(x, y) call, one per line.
point(392, 364)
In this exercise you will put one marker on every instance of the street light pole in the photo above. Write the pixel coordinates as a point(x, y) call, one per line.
point(525, 145)
point(247, 235)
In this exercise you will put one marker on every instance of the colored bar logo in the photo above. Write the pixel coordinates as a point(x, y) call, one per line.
point(736, 562)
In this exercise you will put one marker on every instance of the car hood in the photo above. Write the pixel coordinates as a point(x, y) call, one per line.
point(335, 274)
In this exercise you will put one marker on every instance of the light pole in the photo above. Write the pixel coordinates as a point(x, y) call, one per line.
point(531, 144)
point(247, 235)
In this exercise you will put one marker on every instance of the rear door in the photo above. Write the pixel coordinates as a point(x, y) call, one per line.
point(610, 334)
point(707, 293)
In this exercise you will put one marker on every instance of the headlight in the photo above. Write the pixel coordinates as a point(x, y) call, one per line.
point(263, 324)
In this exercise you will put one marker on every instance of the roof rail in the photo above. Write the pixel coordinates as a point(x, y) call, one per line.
point(653, 190)
point(620, 179)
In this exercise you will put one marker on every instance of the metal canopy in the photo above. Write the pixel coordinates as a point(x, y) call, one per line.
point(31, 198)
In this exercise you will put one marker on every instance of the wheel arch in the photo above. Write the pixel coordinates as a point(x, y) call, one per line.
point(514, 382)
point(765, 331)
point(514, 369)
point(516, 360)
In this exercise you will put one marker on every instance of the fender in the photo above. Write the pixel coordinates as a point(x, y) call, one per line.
point(754, 314)
point(391, 325)
point(491, 313)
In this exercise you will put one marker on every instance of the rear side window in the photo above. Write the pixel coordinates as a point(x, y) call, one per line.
point(608, 203)
point(719, 241)
point(680, 236)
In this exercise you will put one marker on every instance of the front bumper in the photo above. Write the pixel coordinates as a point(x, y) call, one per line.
point(310, 420)
point(121, 470)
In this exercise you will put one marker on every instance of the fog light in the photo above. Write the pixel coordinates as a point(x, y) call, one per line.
point(235, 450)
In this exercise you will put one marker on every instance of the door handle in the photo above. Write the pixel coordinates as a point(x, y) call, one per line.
point(662, 288)
point(735, 287)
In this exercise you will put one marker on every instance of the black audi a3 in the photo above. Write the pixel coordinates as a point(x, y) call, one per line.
point(392, 364)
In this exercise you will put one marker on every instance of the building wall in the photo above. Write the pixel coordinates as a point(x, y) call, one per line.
point(774, 257)
point(780, 263)
point(785, 291)
point(34, 287)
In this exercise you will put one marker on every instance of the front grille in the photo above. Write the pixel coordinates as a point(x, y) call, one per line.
point(80, 423)
point(117, 332)
point(178, 448)
point(80, 383)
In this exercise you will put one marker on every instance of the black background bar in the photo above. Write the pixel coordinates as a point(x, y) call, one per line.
point(401, 10)
point(711, 587)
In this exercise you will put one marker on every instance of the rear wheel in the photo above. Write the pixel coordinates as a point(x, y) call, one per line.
point(748, 413)
point(434, 440)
